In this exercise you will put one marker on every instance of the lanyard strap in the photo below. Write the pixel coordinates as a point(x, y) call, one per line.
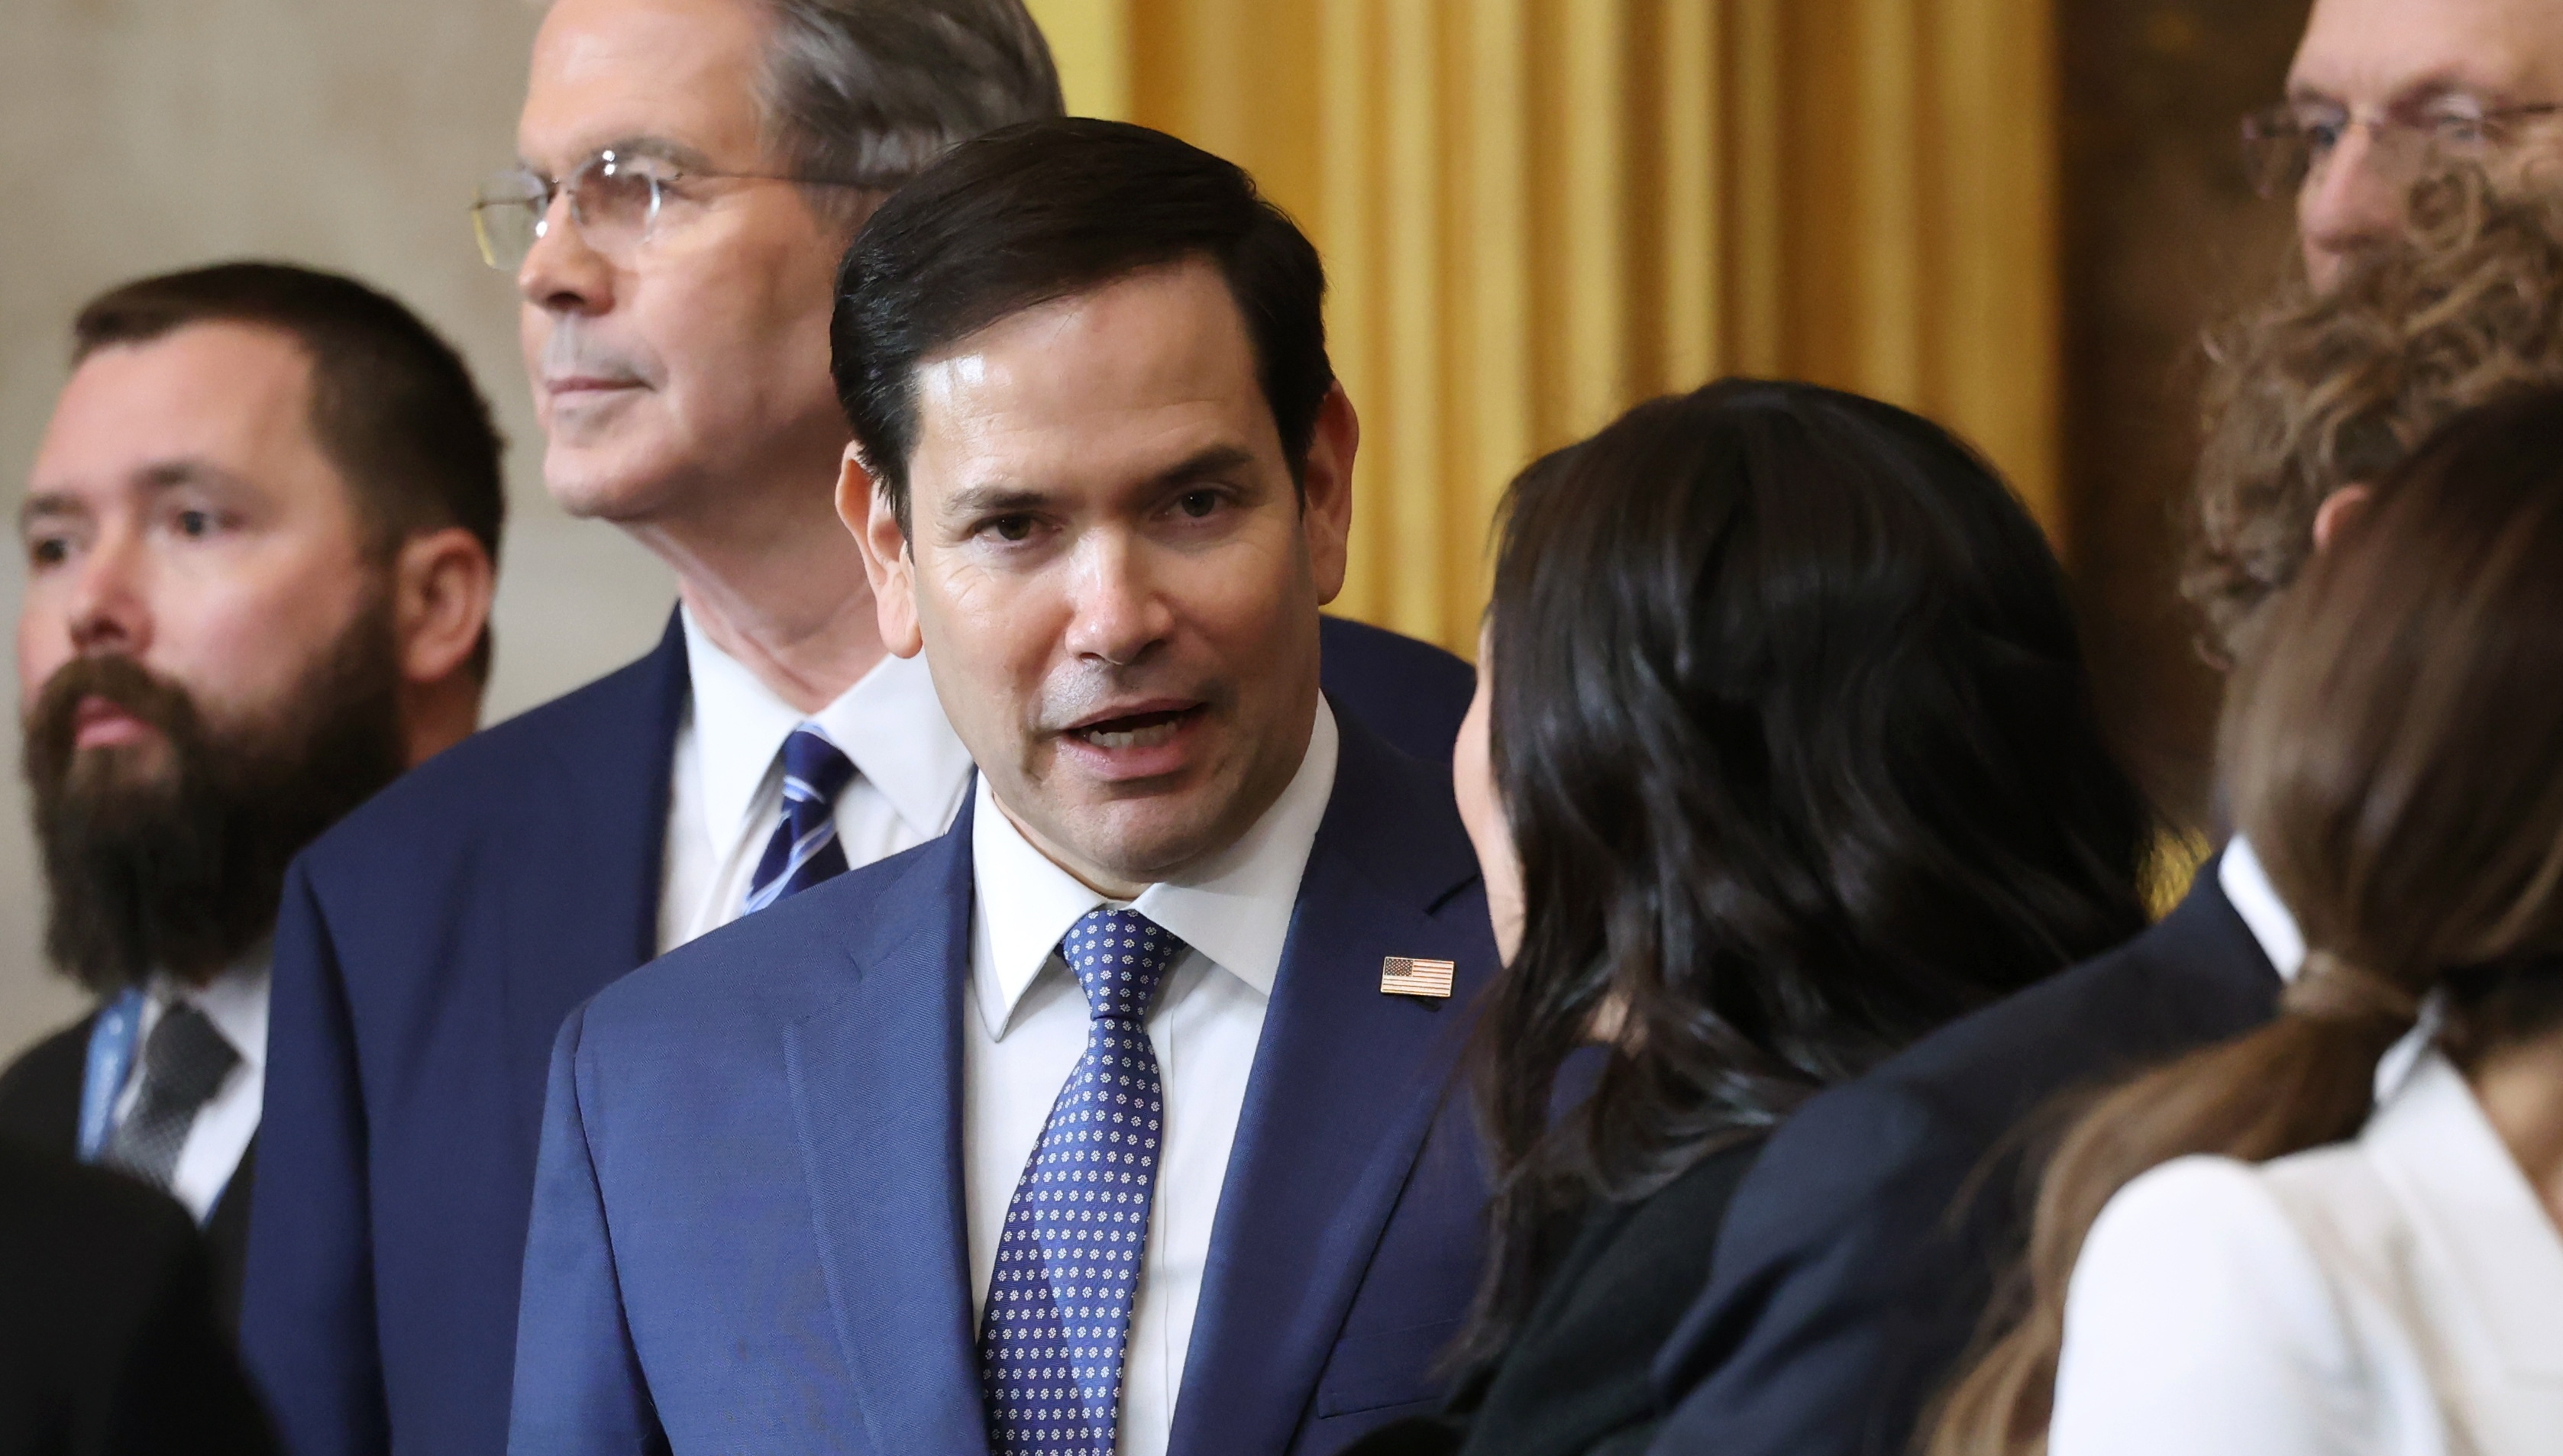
point(111, 1057)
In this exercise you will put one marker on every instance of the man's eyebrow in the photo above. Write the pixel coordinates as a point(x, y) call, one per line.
point(2436, 86)
point(49, 505)
point(1218, 459)
point(169, 474)
point(994, 500)
point(1004, 500)
point(2444, 84)
point(675, 153)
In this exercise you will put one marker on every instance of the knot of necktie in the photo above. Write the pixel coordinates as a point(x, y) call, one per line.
point(1120, 957)
point(184, 1062)
point(803, 850)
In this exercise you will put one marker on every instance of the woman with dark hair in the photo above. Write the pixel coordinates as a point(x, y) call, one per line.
point(1782, 755)
point(2338, 1233)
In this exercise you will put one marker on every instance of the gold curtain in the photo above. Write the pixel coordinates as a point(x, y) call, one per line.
point(1535, 213)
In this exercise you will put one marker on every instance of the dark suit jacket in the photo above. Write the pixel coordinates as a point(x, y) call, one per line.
point(768, 1121)
point(109, 1345)
point(40, 1100)
point(1852, 1276)
point(428, 947)
point(1573, 1379)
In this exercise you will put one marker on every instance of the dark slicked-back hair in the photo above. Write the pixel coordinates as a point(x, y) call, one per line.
point(393, 406)
point(1045, 209)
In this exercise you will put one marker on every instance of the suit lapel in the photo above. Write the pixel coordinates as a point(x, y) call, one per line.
point(875, 1087)
point(622, 777)
point(579, 903)
point(2230, 986)
point(1346, 1084)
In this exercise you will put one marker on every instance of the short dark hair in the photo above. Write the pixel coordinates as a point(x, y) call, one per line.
point(1045, 210)
point(393, 406)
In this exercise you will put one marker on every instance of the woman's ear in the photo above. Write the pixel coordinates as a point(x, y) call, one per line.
point(2338, 509)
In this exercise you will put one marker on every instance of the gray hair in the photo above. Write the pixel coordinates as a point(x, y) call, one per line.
point(871, 92)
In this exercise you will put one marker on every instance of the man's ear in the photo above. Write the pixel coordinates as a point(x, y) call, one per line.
point(888, 563)
point(442, 585)
point(1326, 490)
point(2337, 511)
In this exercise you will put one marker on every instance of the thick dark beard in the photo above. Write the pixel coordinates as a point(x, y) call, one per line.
point(181, 869)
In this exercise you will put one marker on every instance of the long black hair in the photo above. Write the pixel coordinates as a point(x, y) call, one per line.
point(1793, 733)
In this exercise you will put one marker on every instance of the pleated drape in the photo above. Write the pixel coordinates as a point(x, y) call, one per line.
point(1535, 213)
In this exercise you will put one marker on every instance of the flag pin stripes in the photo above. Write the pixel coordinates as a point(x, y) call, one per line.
point(1406, 975)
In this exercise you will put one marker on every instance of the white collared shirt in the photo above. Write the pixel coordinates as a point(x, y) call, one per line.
point(2245, 883)
point(1027, 1027)
point(725, 793)
point(2400, 1293)
point(235, 1002)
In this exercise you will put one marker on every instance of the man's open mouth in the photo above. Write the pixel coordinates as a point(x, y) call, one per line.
point(1137, 730)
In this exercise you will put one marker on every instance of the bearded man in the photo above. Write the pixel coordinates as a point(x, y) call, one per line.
point(262, 534)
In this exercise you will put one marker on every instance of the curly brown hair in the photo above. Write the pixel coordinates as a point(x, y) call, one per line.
point(2311, 392)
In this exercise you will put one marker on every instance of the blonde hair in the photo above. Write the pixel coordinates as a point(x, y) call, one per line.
point(2310, 392)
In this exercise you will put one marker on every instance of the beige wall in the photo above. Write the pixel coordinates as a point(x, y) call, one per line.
point(145, 136)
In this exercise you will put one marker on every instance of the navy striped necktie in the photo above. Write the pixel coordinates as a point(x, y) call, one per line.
point(804, 849)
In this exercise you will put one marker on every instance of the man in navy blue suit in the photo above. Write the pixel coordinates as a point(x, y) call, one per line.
point(1116, 1119)
point(676, 288)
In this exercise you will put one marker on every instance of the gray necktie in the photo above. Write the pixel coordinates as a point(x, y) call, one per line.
point(184, 1061)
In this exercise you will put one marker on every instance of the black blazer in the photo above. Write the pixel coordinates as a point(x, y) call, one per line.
point(1574, 1381)
point(427, 950)
point(39, 1098)
point(1858, 1256)
point(109, 1345)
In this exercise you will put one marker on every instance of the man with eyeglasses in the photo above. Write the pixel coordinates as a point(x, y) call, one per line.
point(689, 173)
point(2382, 89)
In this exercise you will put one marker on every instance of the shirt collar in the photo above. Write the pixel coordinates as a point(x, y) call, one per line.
point(890, 723)
point(235, 1001)
point(2246, 884)
point(2469, 1203)
point(1234, 908)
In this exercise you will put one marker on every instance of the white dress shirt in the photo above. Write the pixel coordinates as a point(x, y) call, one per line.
point(725, 793)
point(2240, 873)
point(1030, 1029)
point(2246, 884)
point(235, 1002)
point(2401, 1293)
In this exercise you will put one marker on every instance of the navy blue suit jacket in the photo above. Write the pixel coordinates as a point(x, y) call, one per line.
point(748, 1228)
point(1858, 1256)
point(427, 950)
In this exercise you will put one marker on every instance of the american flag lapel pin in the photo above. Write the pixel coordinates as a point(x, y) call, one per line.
point(1406, 975)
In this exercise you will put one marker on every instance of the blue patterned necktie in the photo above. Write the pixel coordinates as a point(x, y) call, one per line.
point(804, 849)
point(1058, 1309)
